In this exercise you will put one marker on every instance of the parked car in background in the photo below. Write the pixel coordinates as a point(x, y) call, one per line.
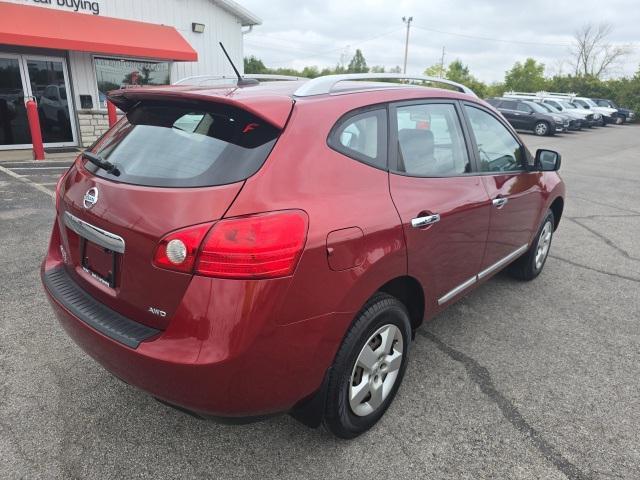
point(526, 115)
point(575, 120)
point(627, 114)
point(609, 115)
point(590, 119)
point(248, 250)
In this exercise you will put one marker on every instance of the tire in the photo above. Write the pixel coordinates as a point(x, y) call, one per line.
point(619, 120)
point(529, 265)
point(383, 320)
point(541, 129)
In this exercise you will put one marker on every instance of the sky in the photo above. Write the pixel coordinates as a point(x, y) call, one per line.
point(488, 36)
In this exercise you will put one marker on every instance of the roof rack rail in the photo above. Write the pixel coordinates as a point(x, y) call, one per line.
point(203, 79)
point(324, 85)
point(521, 94)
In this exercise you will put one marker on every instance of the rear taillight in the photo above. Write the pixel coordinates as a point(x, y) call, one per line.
point(266, 245)
point(258, 246)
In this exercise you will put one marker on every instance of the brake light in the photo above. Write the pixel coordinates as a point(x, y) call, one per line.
point(267, 245)
point(179, 250)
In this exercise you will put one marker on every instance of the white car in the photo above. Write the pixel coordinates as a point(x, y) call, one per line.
point(609, 115)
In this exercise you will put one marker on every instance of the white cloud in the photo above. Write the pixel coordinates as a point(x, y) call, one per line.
point(316, 32)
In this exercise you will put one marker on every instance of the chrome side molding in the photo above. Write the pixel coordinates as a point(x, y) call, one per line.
point(502, 262)
point(94, 234)
point(448, 296)
point(492, 268)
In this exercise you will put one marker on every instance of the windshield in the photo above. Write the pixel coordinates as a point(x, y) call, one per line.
point(567, 105)
point(590, 102)
point(185, 145)
point(550, 108)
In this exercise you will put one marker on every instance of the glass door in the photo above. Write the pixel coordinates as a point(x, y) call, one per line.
point(45, 79)
point(49, 85)
point(14, 127)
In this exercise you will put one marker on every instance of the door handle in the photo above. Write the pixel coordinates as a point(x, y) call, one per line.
point(500, 202)
point(420, 222)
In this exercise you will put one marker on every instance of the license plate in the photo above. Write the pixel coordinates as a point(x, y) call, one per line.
point(99, 262)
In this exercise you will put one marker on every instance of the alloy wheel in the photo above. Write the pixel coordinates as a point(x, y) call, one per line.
point(541, 129)
point(544, 242)
point(376, 370)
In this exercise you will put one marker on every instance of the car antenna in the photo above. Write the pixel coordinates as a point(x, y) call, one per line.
point(242, 82)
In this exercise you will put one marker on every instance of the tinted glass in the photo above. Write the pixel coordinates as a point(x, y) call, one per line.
point(362, 137)
point(48, 85)
point(175, 145)
point(523, 107)
point(498, 150)
point(509, 104)
point(430, 141)
point(14, 127)
point(581, 104)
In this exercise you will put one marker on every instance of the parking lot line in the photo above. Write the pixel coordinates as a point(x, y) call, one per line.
point(25, 180)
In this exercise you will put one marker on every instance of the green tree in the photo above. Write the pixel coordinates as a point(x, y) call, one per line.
point(253, 64)
point(436, 70)
point(458, 72)
point(358, 64)
point(377, 69)
point(525, 77)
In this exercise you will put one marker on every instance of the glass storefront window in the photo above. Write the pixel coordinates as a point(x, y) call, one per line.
point(114, 73)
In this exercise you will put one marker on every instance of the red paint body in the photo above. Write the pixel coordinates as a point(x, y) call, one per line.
point(250, 347)
point(34, 129)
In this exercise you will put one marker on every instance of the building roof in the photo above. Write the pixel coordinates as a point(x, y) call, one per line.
point(245, 16)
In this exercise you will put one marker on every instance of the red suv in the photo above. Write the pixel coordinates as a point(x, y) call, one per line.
point(240, 252)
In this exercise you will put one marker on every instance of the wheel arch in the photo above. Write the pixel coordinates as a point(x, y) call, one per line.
point(410, 292)
point(557, 207)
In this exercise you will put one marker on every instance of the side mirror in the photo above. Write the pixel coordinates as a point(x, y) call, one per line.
point(548, 160)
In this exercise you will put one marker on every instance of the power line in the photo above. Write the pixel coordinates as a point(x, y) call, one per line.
point(321, 54)
point(501, 40)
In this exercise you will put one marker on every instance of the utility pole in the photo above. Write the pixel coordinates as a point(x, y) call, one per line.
point(406, 42)
point(442, 64)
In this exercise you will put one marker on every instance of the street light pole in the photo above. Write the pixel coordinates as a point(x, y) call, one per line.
point(406, 42)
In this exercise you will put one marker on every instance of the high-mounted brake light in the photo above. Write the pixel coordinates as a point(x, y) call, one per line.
point(267, 245)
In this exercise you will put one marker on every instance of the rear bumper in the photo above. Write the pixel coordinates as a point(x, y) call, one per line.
point(223, 363)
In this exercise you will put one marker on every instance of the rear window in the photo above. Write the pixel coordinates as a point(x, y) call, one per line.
point(183, 145)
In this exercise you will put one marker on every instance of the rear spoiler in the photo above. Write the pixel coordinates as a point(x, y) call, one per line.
point(274, 109)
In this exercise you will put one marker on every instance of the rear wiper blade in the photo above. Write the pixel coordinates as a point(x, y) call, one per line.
point(106, 165)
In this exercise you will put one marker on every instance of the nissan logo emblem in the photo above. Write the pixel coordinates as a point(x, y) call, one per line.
point(91, 197)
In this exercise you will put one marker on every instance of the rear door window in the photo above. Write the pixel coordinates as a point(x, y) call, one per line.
point(185, 145)
point(430, 141)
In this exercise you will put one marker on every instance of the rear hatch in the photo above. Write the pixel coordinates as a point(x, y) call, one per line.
point(178, 163)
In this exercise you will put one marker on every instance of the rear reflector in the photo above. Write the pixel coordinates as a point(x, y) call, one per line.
point(258, 246)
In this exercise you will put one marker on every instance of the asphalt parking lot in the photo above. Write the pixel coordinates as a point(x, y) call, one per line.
point(516, 381)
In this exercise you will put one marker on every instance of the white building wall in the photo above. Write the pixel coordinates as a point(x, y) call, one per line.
point(220, 26)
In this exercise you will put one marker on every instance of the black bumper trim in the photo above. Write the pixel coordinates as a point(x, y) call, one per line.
point(98, 316)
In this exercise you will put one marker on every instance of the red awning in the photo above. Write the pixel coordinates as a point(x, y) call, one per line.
point(29, 26)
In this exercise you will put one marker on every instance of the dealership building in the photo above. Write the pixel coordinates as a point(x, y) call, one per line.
point(66, 54)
